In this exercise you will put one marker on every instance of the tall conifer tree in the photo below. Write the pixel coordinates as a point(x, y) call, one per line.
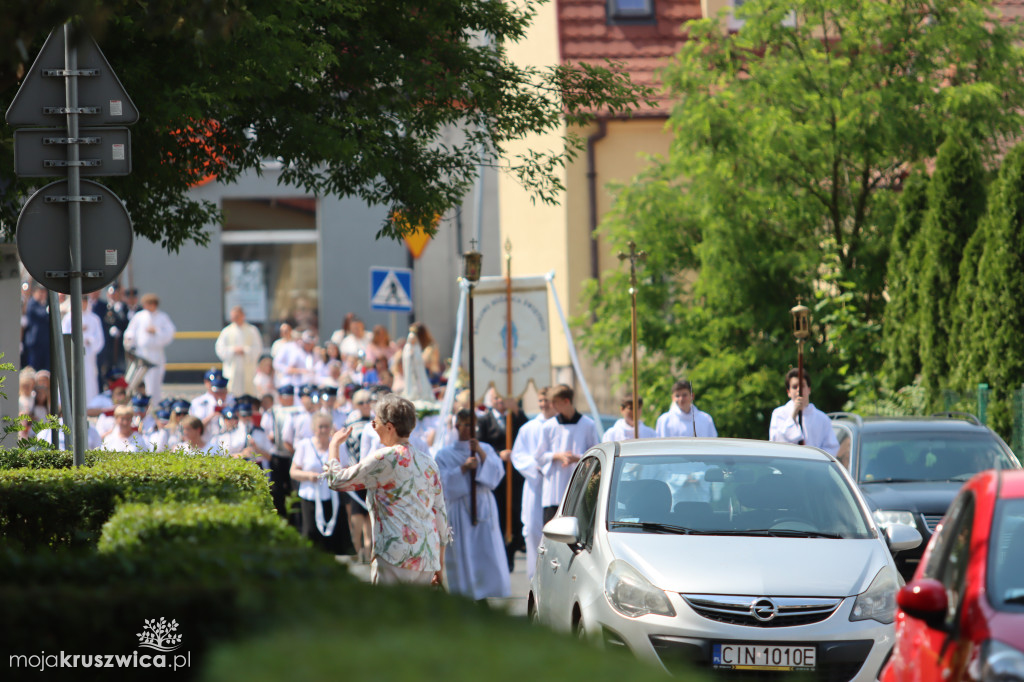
point(906, 257)
point(956, 200)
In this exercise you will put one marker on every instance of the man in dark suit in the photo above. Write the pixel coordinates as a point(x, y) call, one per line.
point(491, 430)
point(36, 339)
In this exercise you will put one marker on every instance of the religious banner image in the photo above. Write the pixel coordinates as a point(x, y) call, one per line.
point(531, 352)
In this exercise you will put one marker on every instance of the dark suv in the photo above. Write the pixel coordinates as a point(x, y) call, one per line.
point(910, 468)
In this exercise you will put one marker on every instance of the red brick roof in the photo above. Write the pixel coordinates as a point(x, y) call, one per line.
point(585, 34)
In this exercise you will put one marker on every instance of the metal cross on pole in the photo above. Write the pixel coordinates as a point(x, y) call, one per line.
point(633, 257)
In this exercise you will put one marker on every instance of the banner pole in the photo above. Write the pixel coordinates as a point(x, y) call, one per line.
point(508, 374)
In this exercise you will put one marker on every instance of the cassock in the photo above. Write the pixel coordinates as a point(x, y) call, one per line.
point(675, 424)
point(816, 432)
point(239, 369)
point(576, 435)
point(92, 341)
point(524, 459)
point(620, 430)
point(475, 561)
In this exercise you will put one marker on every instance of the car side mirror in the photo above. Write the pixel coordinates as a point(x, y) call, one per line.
point(902, 537)
point(565, 529)
point(926, 600)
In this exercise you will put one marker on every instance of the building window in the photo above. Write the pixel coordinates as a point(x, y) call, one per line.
point(630, 11)
point(736, 21)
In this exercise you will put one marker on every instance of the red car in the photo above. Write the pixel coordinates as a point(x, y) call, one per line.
point(962, 616)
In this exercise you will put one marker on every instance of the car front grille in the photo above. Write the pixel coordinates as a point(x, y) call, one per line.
point(762, 612)
point(837, 661)
point(931, 521)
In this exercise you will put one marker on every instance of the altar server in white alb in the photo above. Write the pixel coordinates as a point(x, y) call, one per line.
point(683, 419)
point(149, 332)
point(524, 459)
point(623, 428)
point(239, 346)
point(799, 421)
point(92, 341)
point(476, 563)
point(563, 441)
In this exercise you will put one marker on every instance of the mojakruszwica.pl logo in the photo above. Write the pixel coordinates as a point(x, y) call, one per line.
point(157, 635)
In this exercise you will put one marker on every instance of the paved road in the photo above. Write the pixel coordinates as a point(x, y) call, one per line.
point(514, 605)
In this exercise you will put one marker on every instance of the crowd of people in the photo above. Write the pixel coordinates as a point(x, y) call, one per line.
point(350, 436)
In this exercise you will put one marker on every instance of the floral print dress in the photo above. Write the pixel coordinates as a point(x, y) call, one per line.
point(407, 510)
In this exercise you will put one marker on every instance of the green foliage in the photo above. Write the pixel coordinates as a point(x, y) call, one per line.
point(956, 200)
point(788, 144)
point(900, 338)
point(68, 507)
point(999, 318)
point(354, 98)
point(135, 526)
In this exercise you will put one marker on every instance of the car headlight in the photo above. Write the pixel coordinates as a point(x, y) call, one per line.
point(1001, 663)
point(633, 595)
point(878, 602)
point(885, 518)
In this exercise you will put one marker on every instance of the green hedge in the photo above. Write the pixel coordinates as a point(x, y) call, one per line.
point(68, 507)
point(136, 526)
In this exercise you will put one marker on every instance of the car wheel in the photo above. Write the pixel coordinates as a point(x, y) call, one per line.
point(579, 629)
point(531, 611)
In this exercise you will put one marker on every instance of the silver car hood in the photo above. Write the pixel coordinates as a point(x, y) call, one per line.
point(716, 564)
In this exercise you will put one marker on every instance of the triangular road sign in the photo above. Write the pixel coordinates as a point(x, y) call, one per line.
point(43, 88)
point(391, 294)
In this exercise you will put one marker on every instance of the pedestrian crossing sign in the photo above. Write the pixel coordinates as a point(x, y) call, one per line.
point(391, 289)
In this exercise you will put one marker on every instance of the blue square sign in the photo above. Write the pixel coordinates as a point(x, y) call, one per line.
point(391, 289)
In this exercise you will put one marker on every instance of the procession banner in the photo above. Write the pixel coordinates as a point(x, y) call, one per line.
point(531, 351)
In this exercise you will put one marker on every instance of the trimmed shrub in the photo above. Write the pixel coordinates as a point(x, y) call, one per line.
point(68, 507)
point(133, 527)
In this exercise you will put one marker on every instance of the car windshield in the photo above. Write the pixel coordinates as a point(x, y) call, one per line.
point(727, 495)
point(928, 456)
point(1006, 556)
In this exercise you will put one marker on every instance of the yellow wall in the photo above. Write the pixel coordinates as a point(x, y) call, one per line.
point(536, 230)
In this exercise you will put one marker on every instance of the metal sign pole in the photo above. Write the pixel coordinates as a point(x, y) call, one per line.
point(80, 430)
point(60, 379)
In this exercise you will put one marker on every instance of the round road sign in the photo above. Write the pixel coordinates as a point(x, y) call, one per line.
point(43, 237)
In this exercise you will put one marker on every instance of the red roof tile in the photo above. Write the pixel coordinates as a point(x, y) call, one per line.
point(585, 34)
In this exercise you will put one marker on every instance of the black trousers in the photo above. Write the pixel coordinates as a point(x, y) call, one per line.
point(338, 542)
point(280, 483)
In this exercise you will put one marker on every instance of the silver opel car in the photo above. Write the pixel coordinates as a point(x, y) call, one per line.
point(756, 559)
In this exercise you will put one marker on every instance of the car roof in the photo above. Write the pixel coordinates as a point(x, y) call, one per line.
point(736, 447)
point(1011, 483)
point(913, 423)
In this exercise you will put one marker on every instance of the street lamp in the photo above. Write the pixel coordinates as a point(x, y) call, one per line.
point(471, 262)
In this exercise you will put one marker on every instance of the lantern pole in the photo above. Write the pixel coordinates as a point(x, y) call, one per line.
point(801, 330)
point(471, 261)
point(633, 257)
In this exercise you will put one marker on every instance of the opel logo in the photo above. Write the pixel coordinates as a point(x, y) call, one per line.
point(764, 609)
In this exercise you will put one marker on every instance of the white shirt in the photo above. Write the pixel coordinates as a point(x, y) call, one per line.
point(136, 442)
point(817, 428)
point(620, 430)
point(308, 458)
point(235, 441)
point(149, 345)
point(675, 424)
point(294, 355)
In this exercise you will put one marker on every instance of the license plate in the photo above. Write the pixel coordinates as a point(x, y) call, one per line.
point(763, 657)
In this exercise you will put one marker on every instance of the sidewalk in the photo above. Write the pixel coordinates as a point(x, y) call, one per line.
point(513, 606)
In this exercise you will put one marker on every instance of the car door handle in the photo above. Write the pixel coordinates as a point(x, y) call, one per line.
point(542, 550)
point(555, 564)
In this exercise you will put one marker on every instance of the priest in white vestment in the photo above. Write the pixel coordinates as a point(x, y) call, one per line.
point(476, 563)
point(239, 347)
point(92, 343)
